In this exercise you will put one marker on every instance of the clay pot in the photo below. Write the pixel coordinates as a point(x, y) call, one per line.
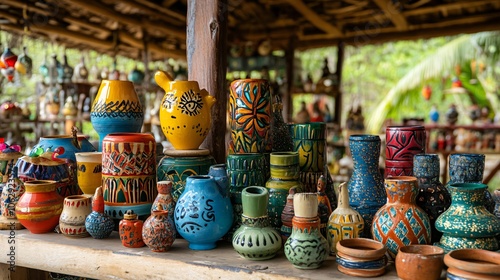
point(75, 210)
point(419, 262)
point(361, 257)
point(472, 264)
point(130, 230)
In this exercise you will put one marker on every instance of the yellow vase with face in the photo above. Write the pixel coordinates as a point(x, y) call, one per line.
point(184, 112)
point(89, 171)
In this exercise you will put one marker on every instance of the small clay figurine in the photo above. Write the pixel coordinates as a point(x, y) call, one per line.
point(324, 207)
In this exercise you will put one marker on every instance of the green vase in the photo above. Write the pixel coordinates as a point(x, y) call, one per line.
point(255, 239)
point(284, 176)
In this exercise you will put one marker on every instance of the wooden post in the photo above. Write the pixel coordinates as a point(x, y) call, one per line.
point(290, 67)
point(206, 55)
point(337, 117)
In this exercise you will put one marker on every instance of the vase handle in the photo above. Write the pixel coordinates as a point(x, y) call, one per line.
point(162, 78)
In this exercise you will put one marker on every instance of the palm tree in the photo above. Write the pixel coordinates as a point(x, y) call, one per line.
point(484, 46)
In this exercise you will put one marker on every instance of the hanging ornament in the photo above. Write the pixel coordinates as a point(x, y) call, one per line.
point(24, 64)
point(427, 92)
point(8, 59)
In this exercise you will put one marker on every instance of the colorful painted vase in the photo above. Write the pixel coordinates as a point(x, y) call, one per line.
point(130, 230)
point(11, 193)
point(432, 196)
point(71, 144)
point(203, 213)
point(256, 239)
point(467, 223)
point(344, 222)
point(402, 143)
point(164, 200)
point(250, 109)
point(158, 231)
point(280, 132)
point(287, 216)
point(306, 248)
point(98, 224)
point(184, 112)
point(89, 171)
point(8, 158)
point(128, 173)
point(76, 208)
point(284, 176)
point(40, 207)
point(400, 222)
point(309, 142)
point(361, 257)
point(116, 108)
point(366, 186)
point(469, 168)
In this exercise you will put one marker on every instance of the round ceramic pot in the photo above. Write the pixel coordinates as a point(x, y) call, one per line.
point(255, 226)
point(184, 112)
point(116, 108)
point(158, 231)
point(130, 230)
point(89, 171)
point(128, 174)
point(250, 109)
point(11, 193)
point(402, 143)
point(98, 224)
point(203, 213)
point(416, 262)
point(472, 264)
point(76, 208)
point(164, 200)
point(69, 143)
point(361, 257)
point(40, 207)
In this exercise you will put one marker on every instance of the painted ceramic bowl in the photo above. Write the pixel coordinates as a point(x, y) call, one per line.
point(361, 257)
point(419, 262)
point(472, 264)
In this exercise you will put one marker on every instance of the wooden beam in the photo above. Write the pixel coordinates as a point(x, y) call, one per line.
point(10, 17)
point(163, 9)
point(337, 114)
point(446, 7)
point(206, 54)
point(392, 12)
point(155, 10)
point(103, 32)
point(315, 18)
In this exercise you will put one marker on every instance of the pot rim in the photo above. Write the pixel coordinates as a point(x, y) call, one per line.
point(351, 247)
point(421, 250)
point(468, 187)
point(401, 178)
point(474, 260)
point(405, 127)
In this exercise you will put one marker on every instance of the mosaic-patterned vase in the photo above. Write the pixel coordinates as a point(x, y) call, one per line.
point(366, 186)
point(401, 222)
point(467, 223)
point(309, 142)
point(158, 231)
point(128, 174)
point(402, 143)
point(130, 230)
point(256, 239)
point(203, 213)
point(250, 110)
point(184, 112)
point(469, 168)
point(432, 196)
point(116, 108)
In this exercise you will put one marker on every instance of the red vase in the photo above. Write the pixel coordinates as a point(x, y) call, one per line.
point(130, 229)
point(402, 143)
point(40, 207)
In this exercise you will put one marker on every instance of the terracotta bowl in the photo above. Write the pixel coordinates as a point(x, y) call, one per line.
point(361, 257)
point(415, 262)
point(473, 264)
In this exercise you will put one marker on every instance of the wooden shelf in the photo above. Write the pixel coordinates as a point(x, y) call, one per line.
point(108, 259)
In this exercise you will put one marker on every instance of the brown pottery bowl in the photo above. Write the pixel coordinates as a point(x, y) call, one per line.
point(473, 264)
point(415, 262)
point(361, 257)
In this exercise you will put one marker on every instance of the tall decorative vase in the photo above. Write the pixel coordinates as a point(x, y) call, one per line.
point(401, 222)
point(116, 108)
point(158, 231)
point(306, 248)
point(89, 171)
point(284, 176)
point(432, 196)
point(40, 207)
point(164, 199)
point(128, 174)
point(250, 109)
point(402, 143)
point(203, 213)
point(184, 112)
point(467, 223)
point(11, 193)
point(99, 224)
point(130, 230)
point(366, 186)
point(256, 239)
point(344, 222)
point(469, 168)
point(76, 208)
point(309, 142)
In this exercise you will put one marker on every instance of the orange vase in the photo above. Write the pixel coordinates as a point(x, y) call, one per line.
point(40, 207)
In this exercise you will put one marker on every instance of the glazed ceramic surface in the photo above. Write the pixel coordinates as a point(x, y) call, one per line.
point(203, 214)
point(256, 239)
point(496, 195)
point(401, 222)
point(415, 262)
point(158, 231)
point(164, 200)
point(76, 208)
point(402, 143)
point(11, 193)
point(467, 223)
point(40, 207)
point(130, 230)
point(472, 264)
point(8, 158)
point(98, 224)
point(287, 216)
point(128, 173)
point(432, 196)
point(116, 108)
point(89, 171)
point(361, 257)
point(250, 109)
point(366, 186)
point(184, 112)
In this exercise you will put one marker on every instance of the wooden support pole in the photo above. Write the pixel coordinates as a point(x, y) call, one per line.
point(290, 65)
point(337, 117)
point(206, 56)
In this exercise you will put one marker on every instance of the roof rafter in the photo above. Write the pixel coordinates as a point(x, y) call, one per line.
point(315, 18)
point(392, 12)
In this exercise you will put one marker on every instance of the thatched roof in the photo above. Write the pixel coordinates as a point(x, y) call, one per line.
point(126, 26)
